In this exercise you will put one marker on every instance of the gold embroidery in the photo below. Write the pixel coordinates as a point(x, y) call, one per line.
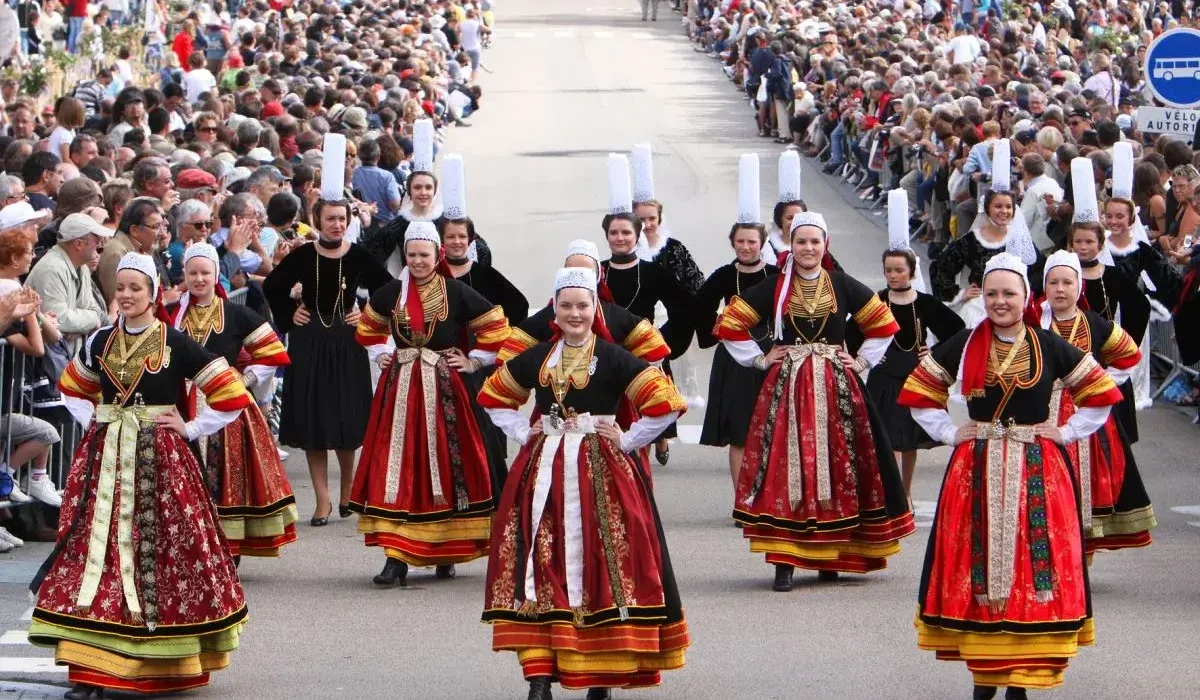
point(432, 293)
point(126, 357)
point(202, 321)
point(572, 371)
point(812, 298)
point(1075, 332)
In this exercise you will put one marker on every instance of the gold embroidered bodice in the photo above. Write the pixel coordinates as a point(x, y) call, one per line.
point(127, 354)
point(1017, 370)
point(201, 321)
point(573, 370)
point(811, 298)
point(1075, 332)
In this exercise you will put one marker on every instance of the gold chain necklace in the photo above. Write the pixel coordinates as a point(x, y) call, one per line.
point(562, 380)
point(337, 302)
point(916, 329)
point(637, 290)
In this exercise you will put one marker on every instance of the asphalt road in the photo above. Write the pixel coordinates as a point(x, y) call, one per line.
point(568, 84)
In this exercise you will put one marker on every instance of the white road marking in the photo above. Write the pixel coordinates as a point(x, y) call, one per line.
point(1190, 511)
point(923, 512)
point(15, 637)
point(689, 434)
point(30, 665)
point(524, 35)
point(641, 36)
point(564, 34)
point(27, 615)
point(602, 35)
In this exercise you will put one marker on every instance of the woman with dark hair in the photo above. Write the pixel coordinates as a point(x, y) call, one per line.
point(140, 592)
point(818, 487)
point(424, 489)
point(1150, 199)
point(311, 293)
point(923, 320)
point(732, 388)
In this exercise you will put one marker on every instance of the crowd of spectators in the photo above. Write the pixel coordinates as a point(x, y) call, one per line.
point(214, 134)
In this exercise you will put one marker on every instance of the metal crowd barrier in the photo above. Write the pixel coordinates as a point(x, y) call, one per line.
point(1164, 349)
point(18, 399)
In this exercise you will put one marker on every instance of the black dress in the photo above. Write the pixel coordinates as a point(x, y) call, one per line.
point(732, 388)
point(887, 378)
point(327, 387)
point(496, 288)
point(1116, 292)
point(638, 289)
point(673, 258)
point(1139, 257)
point(971, 254)
point(389, 238)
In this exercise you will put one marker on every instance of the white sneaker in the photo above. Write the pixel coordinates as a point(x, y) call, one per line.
point(17, 495)
point(283, 454)
point(43, 489)
point(10, 539)
point(5, 547)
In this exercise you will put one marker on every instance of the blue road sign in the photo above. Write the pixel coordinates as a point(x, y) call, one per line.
point(1173, 68)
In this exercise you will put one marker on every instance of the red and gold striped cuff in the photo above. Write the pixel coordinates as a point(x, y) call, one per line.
point(1090, 385)
point(1119, 350)
point(223, 388)
point(653, 394)
point(736, 320)
point(517, 342)
point(501, 390)
point(80, 382)
point(490, 330)
point(927, 387)
point(875, 319)
point(265, 348)
point(372, 329)
point(646, 342)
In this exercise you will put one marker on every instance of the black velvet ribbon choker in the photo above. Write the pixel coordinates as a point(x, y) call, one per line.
point(457, 261)
point(328, 245)
point(622, 258)
point(1089, 263)
point(900, 289)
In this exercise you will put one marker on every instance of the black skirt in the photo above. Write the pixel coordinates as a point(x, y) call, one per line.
point(495, 442)
point(732, 393)
point(326, 389)
point(1126, 412)
point(883, 387)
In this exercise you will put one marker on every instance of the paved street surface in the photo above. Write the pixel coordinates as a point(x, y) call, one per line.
point(570, 84)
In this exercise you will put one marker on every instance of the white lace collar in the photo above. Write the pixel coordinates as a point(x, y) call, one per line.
point(1124, 250)
point(434, 213)
point(647, 253)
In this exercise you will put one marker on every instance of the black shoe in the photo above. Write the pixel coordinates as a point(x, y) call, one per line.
point(444, 571)
point(343, 511)
point(84, 692)
point(983, 692)
point(783, 578)
point(827, 576)
point(320, 521)
point(663, 455)
point(237, 560)
point(1015, 693)
point(831, 168)
point(394, 571)
point(599, 694)
point(539, 688)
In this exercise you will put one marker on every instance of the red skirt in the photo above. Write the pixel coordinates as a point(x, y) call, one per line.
point(186, 586)
point(605, 610)
point(1122, 516)
point(254, 499)
point(1028, 641)
point(394, 489)
point(867, 513)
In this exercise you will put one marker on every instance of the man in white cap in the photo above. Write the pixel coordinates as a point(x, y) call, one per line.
point(63, 278)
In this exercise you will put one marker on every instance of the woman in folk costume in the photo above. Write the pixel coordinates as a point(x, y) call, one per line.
point(423, 489)
point(421, 189)
point(733, 388)
point(613, 323)
point(656, 245)
point(818, 488)
point(580, 582)
point(1004, 586)
point(1108, 289)
point(1114, 506)
point(312, 298)
point(957, 272)
point(140, 592)
point(457, 232)
point(638, 286)
point(787, 206)
point(923, 321)
point(241, 465)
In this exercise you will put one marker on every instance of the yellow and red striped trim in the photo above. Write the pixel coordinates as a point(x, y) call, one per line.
point(501, 390)
point(1119, 350)
point(222, 386)
point(372, 328)
point(1090, 385)
point(927, 387)
point(646, 342)
point(265, 348)
point(875, 319)
point(490, 329)
point(653, 394)
point(517, 342)
point(736, 320)
point(80, 382)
